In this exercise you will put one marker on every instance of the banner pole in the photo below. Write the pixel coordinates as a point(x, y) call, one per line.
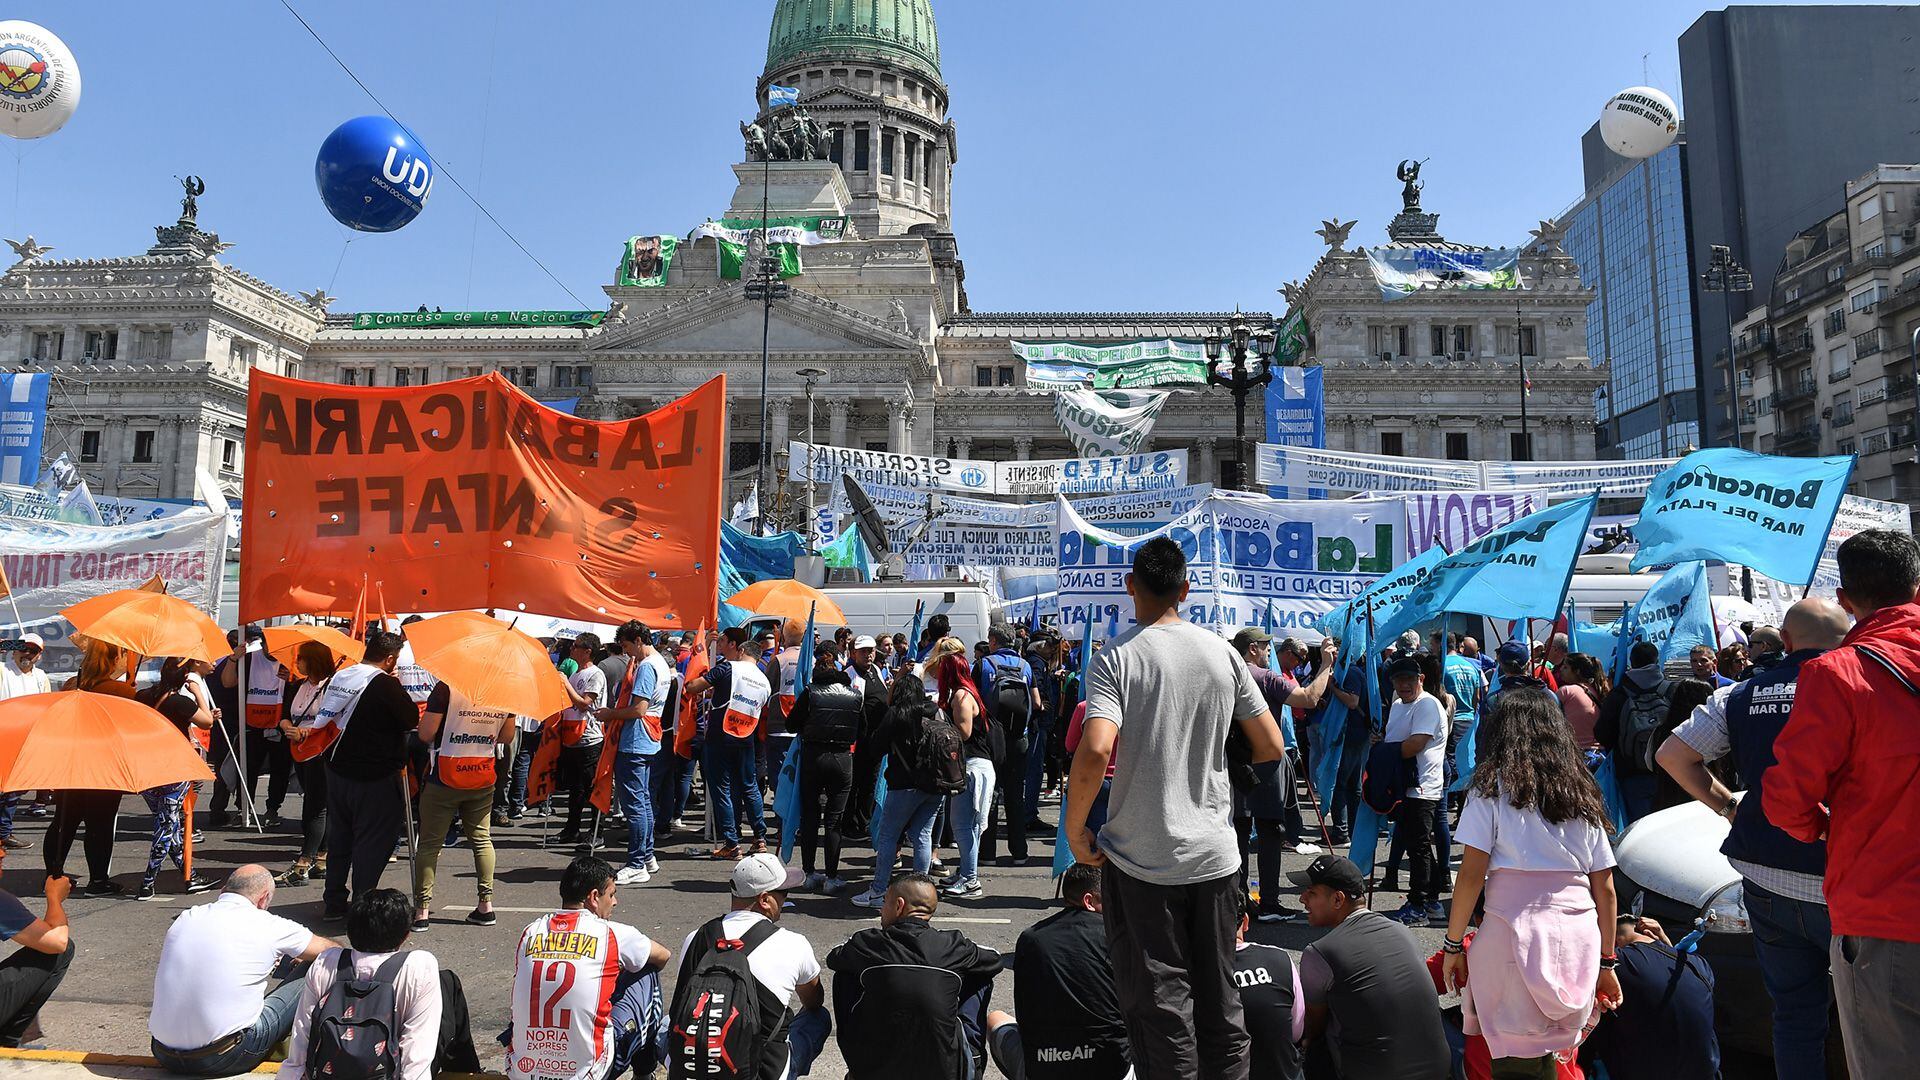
point(243, 781)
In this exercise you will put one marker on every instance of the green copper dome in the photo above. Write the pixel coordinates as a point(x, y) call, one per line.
point(885, 31)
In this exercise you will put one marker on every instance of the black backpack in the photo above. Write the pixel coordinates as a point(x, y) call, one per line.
point(1645, 711)
point(718, 1030)
point(935, 755)
point(1010, 702)
point(355, 1033)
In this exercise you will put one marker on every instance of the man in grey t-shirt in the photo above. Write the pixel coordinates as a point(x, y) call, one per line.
point(1172, 692)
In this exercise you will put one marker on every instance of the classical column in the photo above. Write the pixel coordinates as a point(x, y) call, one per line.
point(1490, 439)
point(837, 421)
point(897, 426)
point(962, 447)
point(1205, 466)
point(781, 424)
point(1427, 440)
point(1422, 343)
point(1023, 448)
point(1487, 338)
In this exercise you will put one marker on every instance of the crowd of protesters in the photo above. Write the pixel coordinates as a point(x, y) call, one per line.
point(1179, 767)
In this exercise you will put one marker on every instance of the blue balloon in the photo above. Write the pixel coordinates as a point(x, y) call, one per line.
point(373, 174)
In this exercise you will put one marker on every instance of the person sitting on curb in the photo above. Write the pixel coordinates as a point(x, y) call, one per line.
point(31, 975)
point(1063, 986)
point(212, 1012)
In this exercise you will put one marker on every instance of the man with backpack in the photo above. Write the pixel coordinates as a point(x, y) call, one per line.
point(370, 1010)
point(1630, 717)
point(1006, 682)
point(570, 1020)
point(912, 999)
point(733, 1015)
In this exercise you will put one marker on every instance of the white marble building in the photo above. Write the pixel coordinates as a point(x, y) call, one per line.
point(153, 350)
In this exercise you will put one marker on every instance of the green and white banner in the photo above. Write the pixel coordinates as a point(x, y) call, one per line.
point(1105, 423)
point(1290, 342)
point(786, 236)
point(1403, 271)
point(453, 320)
point(1065, 366)
point(647, 260)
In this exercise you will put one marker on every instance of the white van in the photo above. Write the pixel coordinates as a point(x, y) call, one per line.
point(887, 606)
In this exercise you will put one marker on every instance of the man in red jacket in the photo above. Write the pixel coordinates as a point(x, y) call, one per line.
point(1849, 759)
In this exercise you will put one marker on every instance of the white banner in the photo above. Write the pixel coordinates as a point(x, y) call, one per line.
point(1246, 556)
point(51, 565)
point(949, 544)
point(920, 472)
point(1108, 421)
point(1855, 515)
point(1454, 519)
point(19, 501)
point(1344, 470)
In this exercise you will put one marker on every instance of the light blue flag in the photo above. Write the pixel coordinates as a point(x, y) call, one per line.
point(1347, 623)
point(1595, 641)
point(782, 96)
point(1062, 851)
point(913, 636)
point(1676, 613)
point(1517, 572)
point(1769, 513)
point(786, 793)
point(849, 552)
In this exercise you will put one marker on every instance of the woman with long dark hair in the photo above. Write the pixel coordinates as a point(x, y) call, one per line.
point(103, 670)
point(910, 801)
point(1534, 830)
point(170, 698)
point(1583, 686)
point(315, 664)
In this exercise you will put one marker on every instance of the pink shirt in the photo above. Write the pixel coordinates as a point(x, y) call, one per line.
point(1582, 712)
point(1074, 725)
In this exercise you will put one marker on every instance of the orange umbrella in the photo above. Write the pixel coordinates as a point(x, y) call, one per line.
point(492, 664)
point(91, 742)
point(283, 643)
point(149, 624)
point(788, 599)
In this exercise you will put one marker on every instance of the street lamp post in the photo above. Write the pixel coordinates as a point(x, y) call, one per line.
point(1251, 366)
point(813, 375)
point(1724, 275)
point(766, 287)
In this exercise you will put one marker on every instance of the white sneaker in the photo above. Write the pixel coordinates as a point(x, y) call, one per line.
point(815, 882)
point(632, 875)
point(872, 898)
point(1306, 849)
point(653, 865)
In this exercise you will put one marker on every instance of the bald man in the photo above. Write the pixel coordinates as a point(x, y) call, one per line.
point(1782, 875)
point(212, 1014)
point(897, 1017)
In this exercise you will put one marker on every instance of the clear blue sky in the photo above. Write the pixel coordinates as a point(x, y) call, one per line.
point(1114, 155)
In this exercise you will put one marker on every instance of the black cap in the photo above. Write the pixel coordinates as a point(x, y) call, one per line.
point(1406, 665)
point(1332, 871)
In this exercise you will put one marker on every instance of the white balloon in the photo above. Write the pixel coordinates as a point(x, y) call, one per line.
point(39, 80)
point(1639, 122)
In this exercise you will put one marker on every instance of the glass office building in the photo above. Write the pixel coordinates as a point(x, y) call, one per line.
point(1629, 237)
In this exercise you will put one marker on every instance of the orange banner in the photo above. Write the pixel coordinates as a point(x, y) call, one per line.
point(470, 494)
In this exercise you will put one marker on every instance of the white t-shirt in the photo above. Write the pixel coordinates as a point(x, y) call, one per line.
point(663, 682)
point(1423, 716)
point(16, 683)
point(1523, 840)
point(214, 967)
point(783, 962)
point(564, 973)
point(590, 683)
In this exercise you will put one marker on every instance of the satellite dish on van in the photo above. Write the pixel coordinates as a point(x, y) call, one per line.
point(873, 527)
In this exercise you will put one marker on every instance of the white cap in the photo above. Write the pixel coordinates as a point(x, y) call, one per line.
point(757, 875)
point(864, 641)
point(34, 640)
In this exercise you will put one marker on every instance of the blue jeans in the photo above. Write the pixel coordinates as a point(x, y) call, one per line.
point(274, 1024)
point(522, 766)
point(7, 803)
point(1345, 799)
point(806, 1037)
point(907, 813)
point(631, 772)
point(972, 809)
point(672, 777)
point(1793, 939)
point(733, 773)
point(1039, 739)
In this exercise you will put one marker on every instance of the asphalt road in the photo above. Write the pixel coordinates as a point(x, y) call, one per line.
point(104, 1002)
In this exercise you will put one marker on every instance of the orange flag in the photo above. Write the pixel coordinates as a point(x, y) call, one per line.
point(471, 494)
point(603, 772)
point(543, 775)
point(698, 665)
